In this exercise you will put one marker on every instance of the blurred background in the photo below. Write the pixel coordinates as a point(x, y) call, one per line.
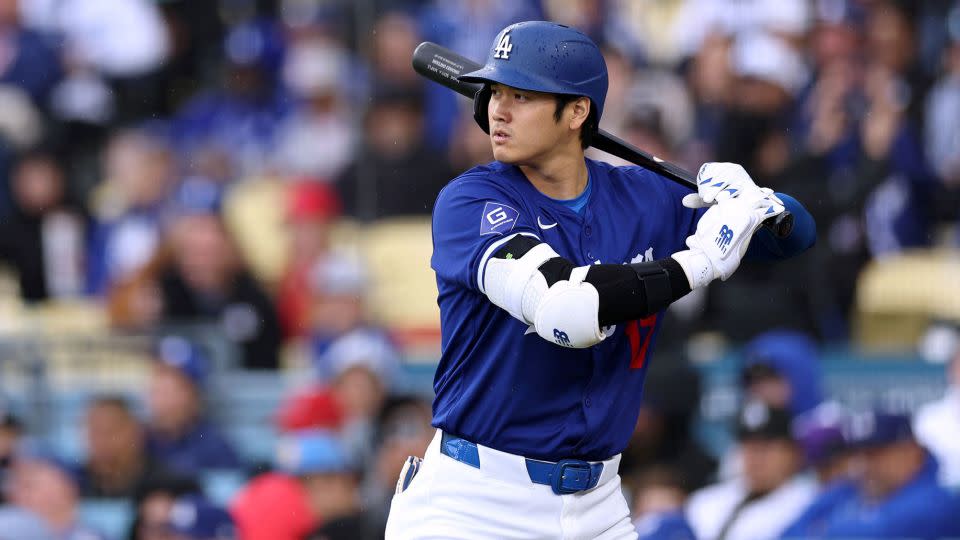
point(217, 316)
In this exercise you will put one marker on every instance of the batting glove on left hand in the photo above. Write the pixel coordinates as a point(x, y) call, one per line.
point(721, 181)
point(722, 237)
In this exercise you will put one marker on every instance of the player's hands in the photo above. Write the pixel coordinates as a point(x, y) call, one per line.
point(722, 237)
point(720, 181)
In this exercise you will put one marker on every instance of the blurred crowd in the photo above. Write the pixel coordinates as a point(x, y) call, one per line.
point(801, 464)
point(143, 142)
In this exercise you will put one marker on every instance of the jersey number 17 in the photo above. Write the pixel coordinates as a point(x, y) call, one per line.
point(639, 334)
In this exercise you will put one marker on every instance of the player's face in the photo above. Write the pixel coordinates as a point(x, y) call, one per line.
point(523, 129)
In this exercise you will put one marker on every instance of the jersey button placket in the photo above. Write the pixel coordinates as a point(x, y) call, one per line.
point(585, 238)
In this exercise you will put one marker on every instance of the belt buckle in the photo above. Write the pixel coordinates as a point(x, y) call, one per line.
point(571, 471)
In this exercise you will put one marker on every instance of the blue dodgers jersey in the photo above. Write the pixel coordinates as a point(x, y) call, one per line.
point(505, 387)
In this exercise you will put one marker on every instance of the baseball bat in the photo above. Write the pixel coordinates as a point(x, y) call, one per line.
point(443, 66)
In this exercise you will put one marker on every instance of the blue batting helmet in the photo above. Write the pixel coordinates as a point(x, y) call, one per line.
point(542, 56)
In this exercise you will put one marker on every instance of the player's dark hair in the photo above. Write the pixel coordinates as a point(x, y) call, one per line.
point(589, 127)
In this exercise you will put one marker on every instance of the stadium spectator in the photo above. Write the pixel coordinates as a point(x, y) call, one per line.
point(311, 207)
point(318, 138)
point(394, 173)
point(194, 518)
point(205, 281)
point(117, 464)
point(936, 423)
point(820, 434)
point(943, 136)
point(663, 437)
point(10, 432)
point(330, 479)
point(772, 492)
point(30, 63)
point(152, 504)
point(242, 117)
point(178, 434)
point(365, 367)
point(658, 497)
point(896, 495)
point(338, 285)
point(710, 78)
point(313, 492)
point(768, 74)
point(127, 207)
point(782, 369)
point(46, 486)
point(894, 86)
point(43, 239)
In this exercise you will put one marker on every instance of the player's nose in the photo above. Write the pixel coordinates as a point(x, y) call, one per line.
point(498, 110)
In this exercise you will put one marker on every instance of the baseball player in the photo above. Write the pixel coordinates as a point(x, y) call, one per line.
point(553, 272)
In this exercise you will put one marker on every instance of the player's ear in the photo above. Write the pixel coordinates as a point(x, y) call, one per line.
point(581, 110)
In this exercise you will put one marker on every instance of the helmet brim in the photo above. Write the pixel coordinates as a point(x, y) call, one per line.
point(515, 79)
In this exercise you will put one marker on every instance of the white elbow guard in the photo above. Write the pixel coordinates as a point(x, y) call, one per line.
point(568, 313)
point(517, 285)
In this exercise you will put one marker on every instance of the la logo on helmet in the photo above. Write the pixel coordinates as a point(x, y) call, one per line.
point(503, 48)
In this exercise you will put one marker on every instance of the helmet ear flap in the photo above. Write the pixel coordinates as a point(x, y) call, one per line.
point(480, 103)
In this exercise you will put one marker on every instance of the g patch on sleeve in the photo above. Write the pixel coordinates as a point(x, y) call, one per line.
point(497, 218)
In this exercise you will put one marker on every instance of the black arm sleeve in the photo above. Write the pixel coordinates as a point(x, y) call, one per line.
point(627, 291)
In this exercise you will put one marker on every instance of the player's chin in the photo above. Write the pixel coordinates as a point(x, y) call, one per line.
point(505, 155)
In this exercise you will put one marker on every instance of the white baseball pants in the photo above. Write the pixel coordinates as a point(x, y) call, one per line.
point(451, 500)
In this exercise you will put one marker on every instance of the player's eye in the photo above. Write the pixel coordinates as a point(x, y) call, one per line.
point(521, 98)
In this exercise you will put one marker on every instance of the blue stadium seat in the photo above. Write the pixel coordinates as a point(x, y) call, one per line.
point(112, 518)
point(244, 404)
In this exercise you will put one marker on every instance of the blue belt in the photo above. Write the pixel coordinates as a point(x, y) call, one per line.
point(564, 477)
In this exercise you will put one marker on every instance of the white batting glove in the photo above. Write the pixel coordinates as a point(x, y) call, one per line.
point(722, 237)
point(720, 181)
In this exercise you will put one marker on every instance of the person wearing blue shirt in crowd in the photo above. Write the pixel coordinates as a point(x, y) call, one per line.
point(243, 117)
point(44, 485)
point(553, 273)
point(658, 499)
point(195, 518)
point(897, 494)
point(29, 62)
point(178, 436)
point(782, 369)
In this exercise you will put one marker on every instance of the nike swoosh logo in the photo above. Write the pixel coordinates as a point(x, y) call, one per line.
point(545, 227)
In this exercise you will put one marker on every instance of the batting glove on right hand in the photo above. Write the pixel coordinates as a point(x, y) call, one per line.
point(720, 181)
point(722, 237)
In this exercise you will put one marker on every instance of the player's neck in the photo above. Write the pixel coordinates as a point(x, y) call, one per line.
point(562, 175)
